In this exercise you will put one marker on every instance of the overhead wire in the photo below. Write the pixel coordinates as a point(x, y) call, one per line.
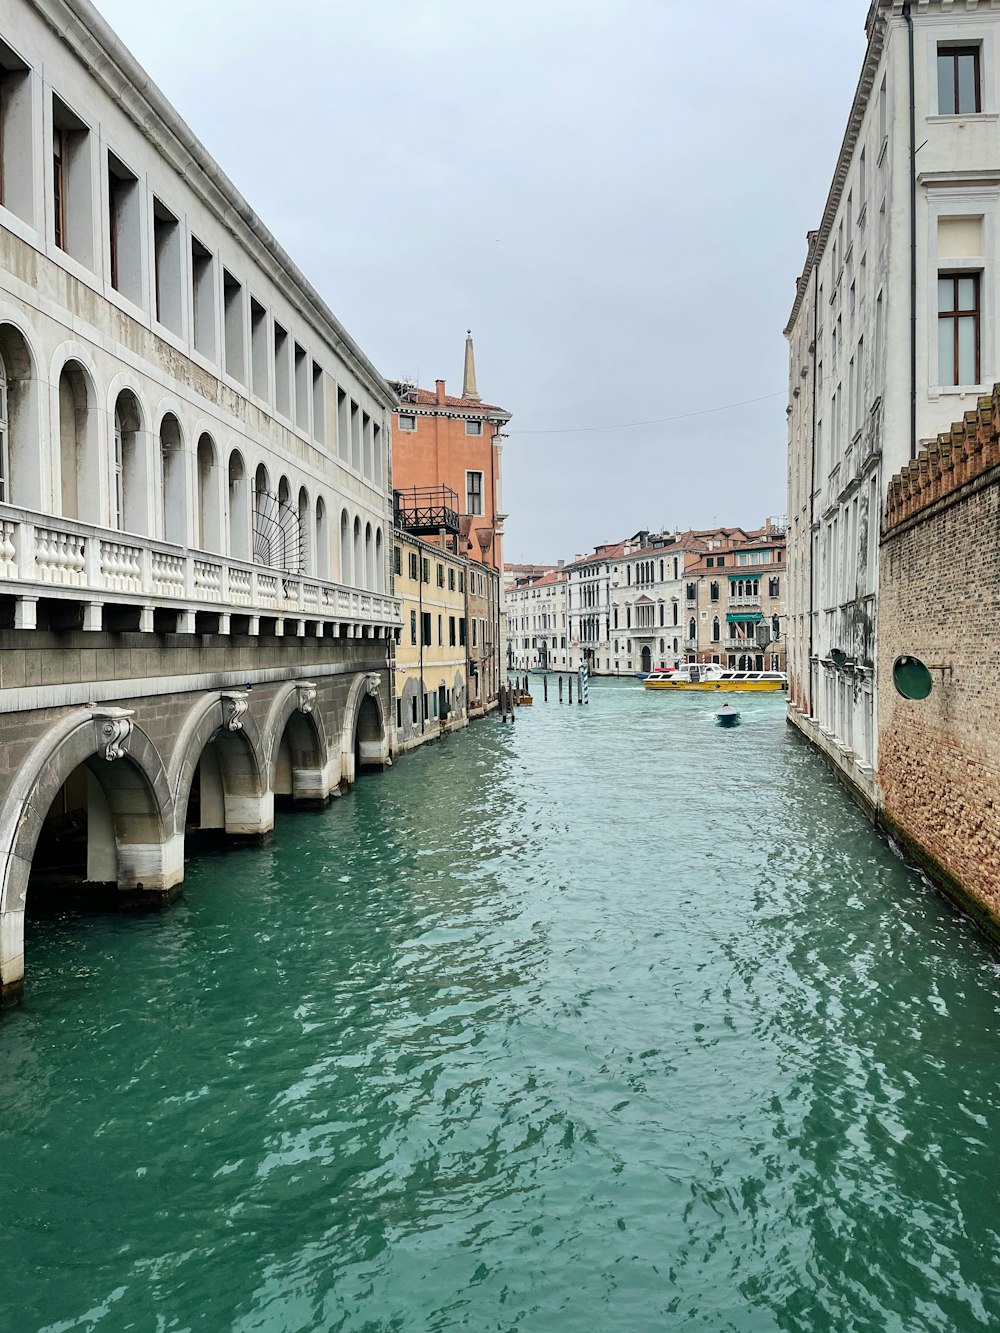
point(656, 421)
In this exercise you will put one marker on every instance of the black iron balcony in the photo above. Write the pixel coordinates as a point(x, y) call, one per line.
point(426, 509)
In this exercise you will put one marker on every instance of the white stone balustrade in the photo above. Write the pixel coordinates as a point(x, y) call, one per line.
point(41, 555)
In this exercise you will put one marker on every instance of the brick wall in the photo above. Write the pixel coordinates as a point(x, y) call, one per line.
point(939, 601)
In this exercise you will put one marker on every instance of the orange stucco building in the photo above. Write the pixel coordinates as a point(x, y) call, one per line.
point(439, 440)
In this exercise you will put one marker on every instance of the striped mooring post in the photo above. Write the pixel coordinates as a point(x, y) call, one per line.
point(584, 684)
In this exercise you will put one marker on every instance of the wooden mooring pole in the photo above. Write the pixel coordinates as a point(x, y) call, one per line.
point(560, 689)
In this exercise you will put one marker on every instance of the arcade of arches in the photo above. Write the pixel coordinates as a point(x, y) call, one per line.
point(103, 801)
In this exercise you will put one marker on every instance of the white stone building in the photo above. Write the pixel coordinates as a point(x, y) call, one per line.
point(893, 335)
point(536, 621)
point(646, 606)
point(195, 493)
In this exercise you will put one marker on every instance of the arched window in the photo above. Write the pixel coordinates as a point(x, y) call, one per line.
point(716, 630)
point(369, 558)
point(130, 485)
point(359, 556)
point(80, 471)
point(239, 508)
point(20, 455)
point(322, 542)
point(692, 631)
point(208, 535)
point(305, 533)
point(345, 548)
point(675, 609)
point(713, 591)
point(379, 562)
point(172, 490)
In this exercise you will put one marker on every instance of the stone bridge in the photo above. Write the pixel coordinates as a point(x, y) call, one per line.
point(106, 788)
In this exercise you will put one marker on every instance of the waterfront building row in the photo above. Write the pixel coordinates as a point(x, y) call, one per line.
point(894, 342)
point(648, 601)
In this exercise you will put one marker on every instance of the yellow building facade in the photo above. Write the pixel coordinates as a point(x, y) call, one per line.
point(431, 656)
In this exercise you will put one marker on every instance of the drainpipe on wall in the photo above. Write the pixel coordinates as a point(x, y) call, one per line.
point(913, 233)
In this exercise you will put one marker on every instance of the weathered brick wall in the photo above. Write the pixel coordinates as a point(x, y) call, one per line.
point(939, 758)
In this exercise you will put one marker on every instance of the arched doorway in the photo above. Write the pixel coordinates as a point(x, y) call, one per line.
point(368, 738)
point(300, 774)
point(647, 659)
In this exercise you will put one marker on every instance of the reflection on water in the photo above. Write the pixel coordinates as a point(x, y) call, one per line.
point(609, 1019)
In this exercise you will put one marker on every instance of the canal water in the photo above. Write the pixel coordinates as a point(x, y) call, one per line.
point(607, 1020)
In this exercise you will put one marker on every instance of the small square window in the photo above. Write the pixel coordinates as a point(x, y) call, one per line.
point(473, 428)
point(407, 422)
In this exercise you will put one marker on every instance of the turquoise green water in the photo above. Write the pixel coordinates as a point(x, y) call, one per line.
point(609, 1020)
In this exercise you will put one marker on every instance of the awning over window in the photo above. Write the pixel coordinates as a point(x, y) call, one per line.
point(744, 617)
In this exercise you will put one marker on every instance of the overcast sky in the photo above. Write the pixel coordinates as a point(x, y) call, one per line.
point(613, 194)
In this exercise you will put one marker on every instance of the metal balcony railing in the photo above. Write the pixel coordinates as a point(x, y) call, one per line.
point(426, 509)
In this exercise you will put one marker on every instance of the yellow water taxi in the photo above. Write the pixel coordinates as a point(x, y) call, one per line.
point(711, 676)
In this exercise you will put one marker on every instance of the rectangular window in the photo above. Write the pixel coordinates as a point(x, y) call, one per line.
point(367, 464)
point(301, 388)
point(124, 230)
point(461, 630)
point(167, 268)
point(343, 426)
point(958, 328)
point(958, 80)
point(16, 135)
point(461, 580)
point(425, 628)
point(451, 580)
point(377, 453)
point(203, 298)
point(258, 349)
point(413, 565)
point(355, 436)
point(413, 700)
point(451, 631)
point(862, 182)
point(774, 587)
point(440, 630)
point(473, 492)
point(407, 422)
point(440, 576)
point(473, 428)
point(319, 405)
point(282, 376)
point(232, 304)
point(425, 570)
point(475, 622)
point(883, 114)
point(397, 560)
point(72, 184)
point(413, 627)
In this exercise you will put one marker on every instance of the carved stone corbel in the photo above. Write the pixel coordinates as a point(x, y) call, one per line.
point(372, 684)
point(234, 705)
point(114, 728)
point(306, 690)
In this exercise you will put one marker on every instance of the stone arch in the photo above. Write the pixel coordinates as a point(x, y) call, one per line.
point(305, 533)
point(238, 494)
point(173, 487)
point(299, 760)
point(379, 561)
point(20, 452)
point(358, 561)
point(149, 861)
point(208, 514)
point(365, 737)
point(79, 457)
point(238, 760)
point(322, 541)
point(345, 548)
point(131, 480)
point(369, 559)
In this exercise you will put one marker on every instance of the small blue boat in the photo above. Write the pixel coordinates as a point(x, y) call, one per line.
point(727, 716)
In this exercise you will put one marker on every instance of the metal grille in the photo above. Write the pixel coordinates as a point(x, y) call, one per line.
point(277, 534)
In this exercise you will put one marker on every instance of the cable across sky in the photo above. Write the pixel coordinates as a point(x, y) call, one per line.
point(657, 421)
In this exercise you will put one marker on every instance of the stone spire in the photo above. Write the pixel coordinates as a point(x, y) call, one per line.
point(469, 389)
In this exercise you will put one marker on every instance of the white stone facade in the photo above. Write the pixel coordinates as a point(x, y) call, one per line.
point(536, 623)
point(863, 394)
point(180, 412)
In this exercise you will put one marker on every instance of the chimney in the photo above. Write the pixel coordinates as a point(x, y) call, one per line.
point(562, 564)
point(767, 525)
point(439, 390)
